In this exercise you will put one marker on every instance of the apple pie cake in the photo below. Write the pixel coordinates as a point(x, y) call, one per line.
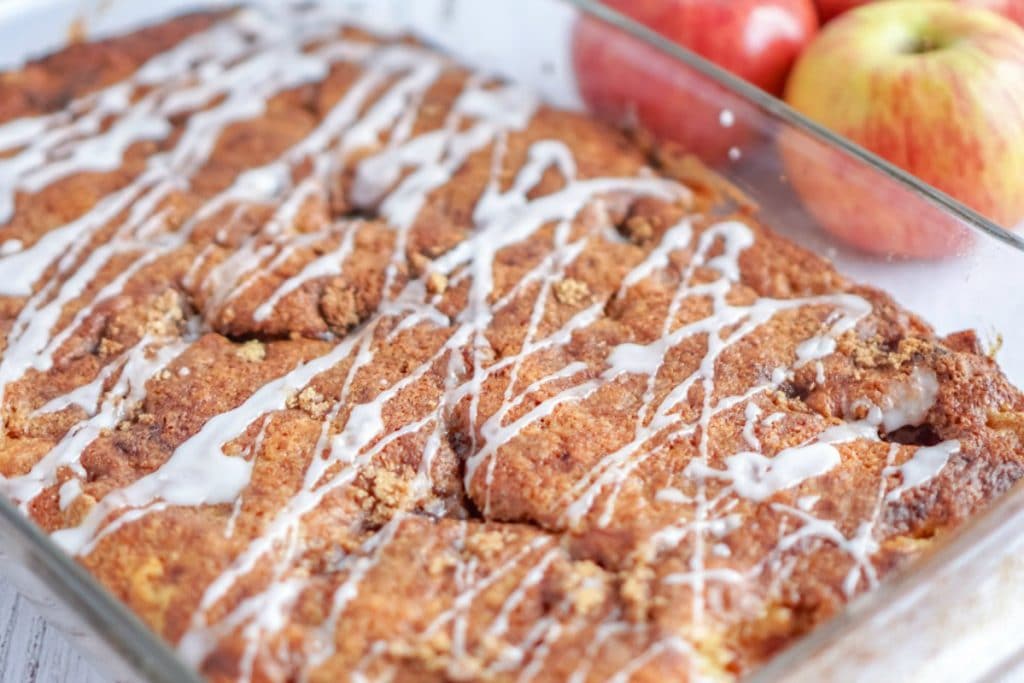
point(333, 359)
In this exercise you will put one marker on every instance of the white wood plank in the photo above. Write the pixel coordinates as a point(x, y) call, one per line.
point(31, 651)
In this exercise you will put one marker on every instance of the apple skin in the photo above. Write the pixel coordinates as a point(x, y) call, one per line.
point(1011, 9)
point(827, 9)
point(629, 82)
point(632, 84)
point(757, 40)
point(935, 88)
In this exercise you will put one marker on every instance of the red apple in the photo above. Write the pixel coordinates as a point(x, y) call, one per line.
point(1013, 9)
point(622, 77)
point(935, 88)
point(755, 39)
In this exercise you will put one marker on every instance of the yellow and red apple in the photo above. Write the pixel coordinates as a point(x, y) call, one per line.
point(934, 87)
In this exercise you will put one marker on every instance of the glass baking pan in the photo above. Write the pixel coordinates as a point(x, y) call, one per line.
point(955, 614)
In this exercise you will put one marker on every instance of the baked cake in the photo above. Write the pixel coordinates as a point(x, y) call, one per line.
point(335, 360)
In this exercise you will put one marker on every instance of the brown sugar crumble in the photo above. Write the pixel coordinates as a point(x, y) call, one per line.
point(436, 283)
point(252, 351)
point(639, 229)
point(311, 401)
point(572, 292)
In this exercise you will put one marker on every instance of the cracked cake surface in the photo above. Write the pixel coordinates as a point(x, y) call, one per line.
point(334, 359)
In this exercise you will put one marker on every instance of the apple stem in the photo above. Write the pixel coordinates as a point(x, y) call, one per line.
point(924, 44)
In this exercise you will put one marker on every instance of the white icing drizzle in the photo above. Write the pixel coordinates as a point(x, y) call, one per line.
point(669, 643)
point(184, 479)
point(860, 547)
point(256, 72)
point(140, 363)
point(323, 266)
point(68, 492)
point(648, 359)
point(752, 412)
point(923, 466)
point(9, 247)
point(756, 477)
point(807, 503)
point(907, 403)
point(691, 578)
point(241, 74)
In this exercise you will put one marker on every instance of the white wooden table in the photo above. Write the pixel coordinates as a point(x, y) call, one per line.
point(31, 650)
